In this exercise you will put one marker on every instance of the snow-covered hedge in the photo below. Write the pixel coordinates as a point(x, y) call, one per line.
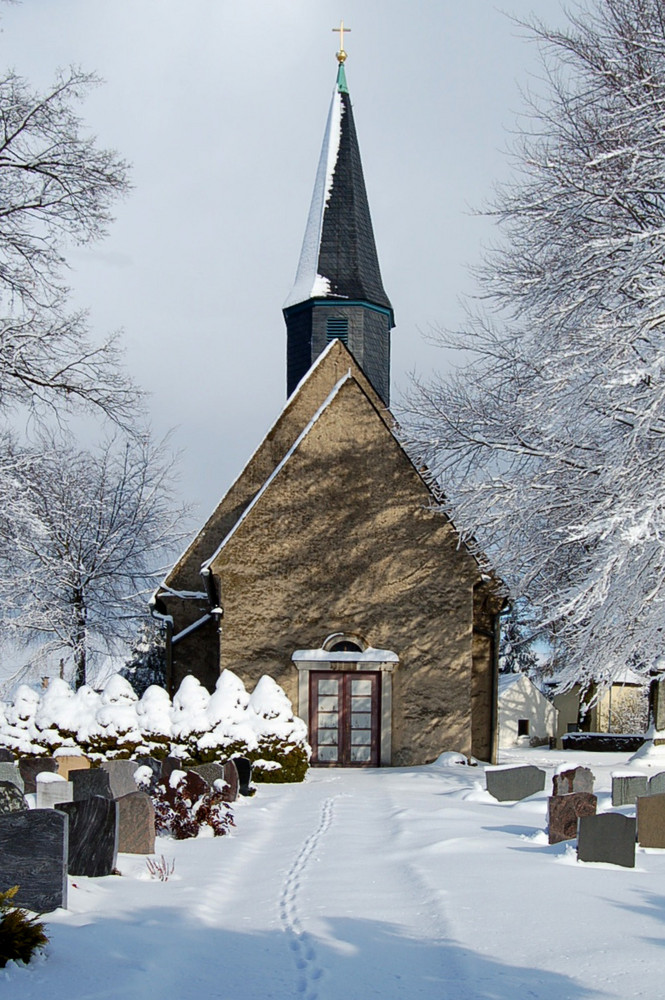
point(197, 726)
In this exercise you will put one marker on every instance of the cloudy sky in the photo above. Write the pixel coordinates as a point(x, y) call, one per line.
point(220, 106)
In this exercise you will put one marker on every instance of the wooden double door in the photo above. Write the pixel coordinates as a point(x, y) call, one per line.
point(345, 718)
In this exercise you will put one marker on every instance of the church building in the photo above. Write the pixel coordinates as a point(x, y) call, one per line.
point(330, 564)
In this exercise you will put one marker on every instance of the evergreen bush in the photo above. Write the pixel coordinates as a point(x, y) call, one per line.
point(20, 934)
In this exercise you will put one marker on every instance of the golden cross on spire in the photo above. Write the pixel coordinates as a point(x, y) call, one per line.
point(341, 55)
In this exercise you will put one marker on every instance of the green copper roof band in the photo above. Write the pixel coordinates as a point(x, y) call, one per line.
point(332, 303)
point(335, 304)
point(341, 80)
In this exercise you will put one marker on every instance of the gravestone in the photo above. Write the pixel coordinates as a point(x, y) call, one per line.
point(33, 855)
point(626, 788)
point(230, 790)
point(93, 835)
point(563, 812)
point(6, 756)
point(608, 838)
point(227, 773)
point(244, 769)
point(136, 824)
point(656, 784)
point(651, 820)
point(510, 784)
point(191, 787)
point(155, 767)
point(170, 764)
point(30, 767)
point(93, 781)
point(121, 776)
point(209, 772)
point(657, 703)
point(576, 779)
point(51, 789)
point(11, 798)
point(71, 762)
point(10, 772)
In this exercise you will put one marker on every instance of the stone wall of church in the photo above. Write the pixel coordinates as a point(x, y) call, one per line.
point(342, 540)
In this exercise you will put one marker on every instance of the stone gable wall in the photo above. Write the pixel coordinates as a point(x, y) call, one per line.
point(343, 540)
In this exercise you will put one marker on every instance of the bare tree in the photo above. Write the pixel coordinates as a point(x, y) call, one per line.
point(56, 188)
point(550, 441)
point(93, 534)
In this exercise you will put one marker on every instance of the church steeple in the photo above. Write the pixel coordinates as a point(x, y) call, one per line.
point(338, 291)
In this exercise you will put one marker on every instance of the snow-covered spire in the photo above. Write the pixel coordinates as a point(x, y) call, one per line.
point(338, 256)
point(339, 266)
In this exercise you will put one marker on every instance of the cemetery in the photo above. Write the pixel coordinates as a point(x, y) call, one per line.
point(105, 792)
point(286, 850)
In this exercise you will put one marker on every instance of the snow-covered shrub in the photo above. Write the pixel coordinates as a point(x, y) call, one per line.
point(197, 727)
point(185, 803)
point(153, 713)
point(115, 732)
point(20, 934)
point(230, 724)
point(189, 719)
point(281, 737)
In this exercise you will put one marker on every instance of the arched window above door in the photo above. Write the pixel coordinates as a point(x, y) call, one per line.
point(344, 642)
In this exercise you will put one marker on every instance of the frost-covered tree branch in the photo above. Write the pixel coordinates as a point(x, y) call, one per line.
point(86, 537)
point(56, 189)
point(550, 441)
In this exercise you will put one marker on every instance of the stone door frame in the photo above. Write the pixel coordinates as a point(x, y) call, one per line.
point(383, 660)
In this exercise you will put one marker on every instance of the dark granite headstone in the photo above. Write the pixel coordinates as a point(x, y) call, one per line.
point(33, 855)
point(6, 756)
point(656, 784)
point(10, 772)
point(89, 782)
point(93, 835)
point(607, 837)
point(626, 788)
point(657, 699)
point(156, 768)
point(11, 798)
point(244, 769)
point(121, 776)
point(136, 824)
point(510, 784)
point(563, 812)
point(576, 779)
point(170, 764)
point(30, 767)
point(651, 820)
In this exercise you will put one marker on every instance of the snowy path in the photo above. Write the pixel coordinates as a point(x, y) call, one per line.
point(394, 884)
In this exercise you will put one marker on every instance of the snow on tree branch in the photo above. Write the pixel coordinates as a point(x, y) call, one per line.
point(549, 442)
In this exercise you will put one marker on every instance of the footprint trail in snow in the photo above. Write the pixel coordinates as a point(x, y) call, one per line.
point(301, 943)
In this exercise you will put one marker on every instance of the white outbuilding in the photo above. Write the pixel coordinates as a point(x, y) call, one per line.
point(525, 715)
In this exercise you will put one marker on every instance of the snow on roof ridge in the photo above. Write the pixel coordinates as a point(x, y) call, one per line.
point(309, 283)
point(205, 567)
point(310, 371)
point(506, 680)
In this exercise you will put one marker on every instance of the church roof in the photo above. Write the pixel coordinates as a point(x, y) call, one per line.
point(338, 259)
point(278, 468)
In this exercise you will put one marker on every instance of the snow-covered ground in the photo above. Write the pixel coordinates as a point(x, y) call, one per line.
point(388, 883)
